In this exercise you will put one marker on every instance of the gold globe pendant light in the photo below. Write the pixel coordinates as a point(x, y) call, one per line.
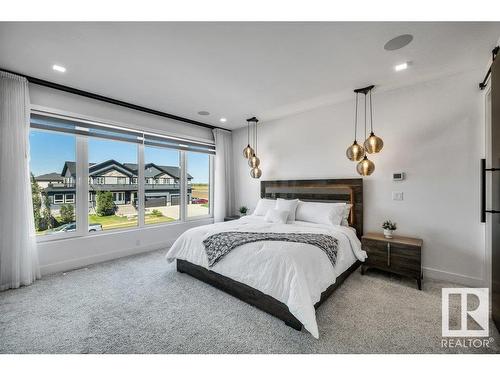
point(355, 152)
point(248, 151)
point(253, 160)
point(365, 167)
point(255, 172)
point(373, 144)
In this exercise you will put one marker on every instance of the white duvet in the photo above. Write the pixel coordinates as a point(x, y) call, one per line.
point(293, 273)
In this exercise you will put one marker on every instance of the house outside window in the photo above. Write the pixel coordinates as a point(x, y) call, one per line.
point(58, 198)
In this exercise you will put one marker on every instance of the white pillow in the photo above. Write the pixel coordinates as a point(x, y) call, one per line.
point(345, 217)
point(263, 206)
point(276, 216)
point(320, 213)
point(289, 205)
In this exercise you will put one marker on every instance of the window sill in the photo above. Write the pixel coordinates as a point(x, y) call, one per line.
point(65, 237)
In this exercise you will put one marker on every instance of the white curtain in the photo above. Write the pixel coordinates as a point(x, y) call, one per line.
point(18, 253)
point(223, 184)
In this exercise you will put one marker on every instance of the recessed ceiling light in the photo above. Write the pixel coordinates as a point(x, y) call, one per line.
point(223, 119)
point(400, 67)
point(59, 68)
point(398, 42)
point(203, 113)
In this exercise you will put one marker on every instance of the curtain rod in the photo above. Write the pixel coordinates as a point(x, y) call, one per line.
point(494, 54)
point(91, 95)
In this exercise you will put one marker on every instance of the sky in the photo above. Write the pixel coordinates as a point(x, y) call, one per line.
point(50, 150)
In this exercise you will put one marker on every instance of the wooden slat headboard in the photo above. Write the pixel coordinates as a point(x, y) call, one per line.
point(331, 190)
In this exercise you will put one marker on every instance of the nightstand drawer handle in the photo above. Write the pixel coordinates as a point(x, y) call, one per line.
point(388, 254)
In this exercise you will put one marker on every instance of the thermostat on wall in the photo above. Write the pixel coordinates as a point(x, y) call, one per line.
point(398, 176)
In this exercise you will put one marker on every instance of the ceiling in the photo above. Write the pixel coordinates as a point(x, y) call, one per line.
point(236, 70)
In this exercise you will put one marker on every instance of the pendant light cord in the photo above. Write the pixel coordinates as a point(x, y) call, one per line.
point(255, 135)
point(365, 116)
point(248, 132)
point(371, 113)
point(356, 119)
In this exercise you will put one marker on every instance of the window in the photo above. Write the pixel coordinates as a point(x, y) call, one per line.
point(114, 157)
point(159, 206)
point(198, 184)
point(52, 152)
point(110, 159)
point(119, 198)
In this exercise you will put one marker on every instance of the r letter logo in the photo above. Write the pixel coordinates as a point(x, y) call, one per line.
point(469, 317)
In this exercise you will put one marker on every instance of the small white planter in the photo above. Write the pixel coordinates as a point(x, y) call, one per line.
point(388, 233)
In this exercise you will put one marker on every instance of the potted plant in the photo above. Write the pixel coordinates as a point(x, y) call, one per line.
point(243, 210)
point(389, 227)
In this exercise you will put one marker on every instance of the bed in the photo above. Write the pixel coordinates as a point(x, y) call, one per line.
point(287, 280)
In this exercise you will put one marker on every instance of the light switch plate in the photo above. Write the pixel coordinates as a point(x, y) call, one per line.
point(397, 195)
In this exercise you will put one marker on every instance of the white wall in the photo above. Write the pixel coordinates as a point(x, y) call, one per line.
point(66, 254)
point(433, 131)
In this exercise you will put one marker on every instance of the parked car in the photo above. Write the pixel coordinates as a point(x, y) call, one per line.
point(199, 201)
point(71, 227)
point(95, 227)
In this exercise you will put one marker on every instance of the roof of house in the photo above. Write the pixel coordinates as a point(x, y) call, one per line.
point(172, 171)
point(54, 176)
point(130, 167)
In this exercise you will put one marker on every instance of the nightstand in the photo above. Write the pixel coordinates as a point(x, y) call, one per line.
point(399, 255)
point(232, 217)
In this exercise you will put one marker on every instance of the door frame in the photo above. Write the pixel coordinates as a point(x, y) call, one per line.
point(488, 227)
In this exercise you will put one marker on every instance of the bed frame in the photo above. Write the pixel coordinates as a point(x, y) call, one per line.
point(331, 190)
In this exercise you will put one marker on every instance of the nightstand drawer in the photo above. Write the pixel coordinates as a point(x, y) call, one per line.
point(375, 248)
point(376, 251)
point(406, 256)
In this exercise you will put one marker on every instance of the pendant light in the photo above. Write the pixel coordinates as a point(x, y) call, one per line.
point(254, 161)
point(355, 152)
point(373, 144)
point(365, 167)
point(248, 151)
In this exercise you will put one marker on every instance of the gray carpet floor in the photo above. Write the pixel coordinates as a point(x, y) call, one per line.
point(140, 304)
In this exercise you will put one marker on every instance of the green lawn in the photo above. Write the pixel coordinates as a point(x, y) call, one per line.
point(150, 219)
point(119, 222)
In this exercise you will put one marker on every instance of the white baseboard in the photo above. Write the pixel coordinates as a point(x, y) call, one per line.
point(456, 278)
point(72, 264)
